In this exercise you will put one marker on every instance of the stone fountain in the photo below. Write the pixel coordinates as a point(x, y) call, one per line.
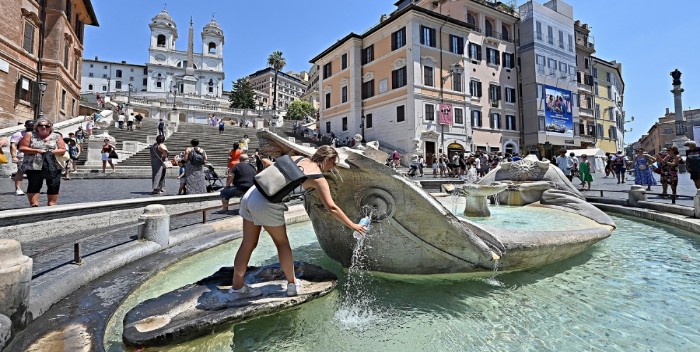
point(415, 234)
point(476, 196)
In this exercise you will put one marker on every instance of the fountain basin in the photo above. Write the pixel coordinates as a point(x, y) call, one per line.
point(475, 196)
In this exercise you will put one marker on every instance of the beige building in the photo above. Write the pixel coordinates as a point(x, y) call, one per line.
point(428, 62)
point(41, 42)
point(609, 88)
point(662, 133)
point(585, 48)
point(290, 87)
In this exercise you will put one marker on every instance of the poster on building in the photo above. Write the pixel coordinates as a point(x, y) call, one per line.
point(445, 114)
point(696, 134)
point(557, 112)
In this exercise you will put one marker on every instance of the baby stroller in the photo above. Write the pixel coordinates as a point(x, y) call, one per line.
point(214, 182)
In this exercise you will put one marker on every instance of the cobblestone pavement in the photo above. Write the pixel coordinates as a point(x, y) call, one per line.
point(85, 190)
point(686, 187)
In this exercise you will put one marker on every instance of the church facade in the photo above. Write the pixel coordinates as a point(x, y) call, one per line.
point(168, 69)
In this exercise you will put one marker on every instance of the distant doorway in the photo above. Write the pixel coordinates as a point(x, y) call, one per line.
point(429, 153)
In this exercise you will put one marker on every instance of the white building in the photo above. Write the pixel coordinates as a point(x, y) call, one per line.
point(168, 70)
point(108, 77)
point(187, 72)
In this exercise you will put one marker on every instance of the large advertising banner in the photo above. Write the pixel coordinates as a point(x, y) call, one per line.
point(557, 112)
point(445, 114)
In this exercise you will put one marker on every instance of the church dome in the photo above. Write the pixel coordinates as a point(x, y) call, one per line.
point(163, 18)
point(213, 27)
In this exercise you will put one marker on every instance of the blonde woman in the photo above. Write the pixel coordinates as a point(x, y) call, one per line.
point(258, 212)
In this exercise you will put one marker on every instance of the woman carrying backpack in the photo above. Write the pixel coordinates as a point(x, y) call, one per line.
point(195, 157)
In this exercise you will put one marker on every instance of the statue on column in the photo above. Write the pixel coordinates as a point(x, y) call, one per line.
point(676, 77)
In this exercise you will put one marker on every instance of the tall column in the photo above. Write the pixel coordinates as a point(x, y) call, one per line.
point(678, 104)
point(189, 81)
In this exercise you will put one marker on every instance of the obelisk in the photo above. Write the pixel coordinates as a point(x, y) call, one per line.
point(680, 119)
point(189, 81)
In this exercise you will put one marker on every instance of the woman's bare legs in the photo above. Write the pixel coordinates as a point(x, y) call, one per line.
point(53, 199)
point(251, 234)
point(111, 164)
point(33, 199)
point(104, 165)
point(284, 250)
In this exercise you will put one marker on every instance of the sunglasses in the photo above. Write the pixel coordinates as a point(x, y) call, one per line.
point(44, 126)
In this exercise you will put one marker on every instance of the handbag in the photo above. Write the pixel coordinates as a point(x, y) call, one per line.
point(3, 157)
point(280, 179)
point(113, 154)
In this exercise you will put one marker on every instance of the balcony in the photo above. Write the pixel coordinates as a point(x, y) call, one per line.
point(499, 35)
point(584, 112)
point(587, 138)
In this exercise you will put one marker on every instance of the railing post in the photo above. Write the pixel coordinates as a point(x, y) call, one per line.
point(635, 195)
point(156, 225)
point(696, 208)
point(15, 279)
point(76, 254)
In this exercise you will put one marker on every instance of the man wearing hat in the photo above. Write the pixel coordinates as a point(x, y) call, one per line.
point(692, 161)
point(243, 175)
point(18, 156)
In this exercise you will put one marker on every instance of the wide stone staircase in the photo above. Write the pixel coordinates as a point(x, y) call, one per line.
point(217, 146)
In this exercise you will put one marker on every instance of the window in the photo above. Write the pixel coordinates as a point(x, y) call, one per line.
point(595, 72)
point(609, 92)
point(504, 33)
point(474, 51)
point(510, 95)
point(494, 92)
point(457, 82)
point(428, 77)
point(488, 28)
point(540, 60)
point(63, 99)
point(367, 89)
point(131, 79)
point(24, 89)
point(581, 129)
point(429, 112)
point(368, 54)
point(69, 8)
point(145, 81)
point(510, 122)
point(91, 87)
point(398, 78)
point(91, 74)
point(400, 113)
point(492, 56)
point(597, 111)
point(118, 85)
point(159, 84)
point(571, 43)
point(600, 130)
point(476, 118)
point(328, 127)
point(561, 39)
point(344, 94)
point(552, 64)
point(612, 132)
point(145, 70)
point(427, 36)
point(398, 39)
point(562, 67)
point(538, 29)
point(508, 60)
point(211, 48)
point(328, 100)
point(475, 88)
point(160, 41)
point(471, 19)
point(596, 89)
point(119, 73)
point(496, 121)
point(550, 35)
point(75, 68)
point(459, 116)
point(344, 61)
point(327, 70)
point(368, 121)
point(66, 54)
point(104, 88)
point(456, 44)
point(608, 76)
point(344, 122)
point(28, 43)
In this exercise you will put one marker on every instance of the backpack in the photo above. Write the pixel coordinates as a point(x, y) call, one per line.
point(196, 158)
point(619, 161)
point(280, 179)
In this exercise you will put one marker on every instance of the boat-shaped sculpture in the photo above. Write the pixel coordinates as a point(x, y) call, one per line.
point(197, 309)
point(415, 234)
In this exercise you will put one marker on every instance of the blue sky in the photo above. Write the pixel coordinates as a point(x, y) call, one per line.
point(650, 38)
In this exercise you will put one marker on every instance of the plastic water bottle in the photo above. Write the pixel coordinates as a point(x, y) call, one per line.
point(366, 221)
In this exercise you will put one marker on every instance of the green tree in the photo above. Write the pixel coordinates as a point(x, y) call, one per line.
point(242, 95)
point(299, 110)
point(277, 62)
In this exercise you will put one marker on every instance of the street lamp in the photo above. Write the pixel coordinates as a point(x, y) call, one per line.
point(174, 96)
point(128, 99)
point(42, 89)
point(362, 126)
